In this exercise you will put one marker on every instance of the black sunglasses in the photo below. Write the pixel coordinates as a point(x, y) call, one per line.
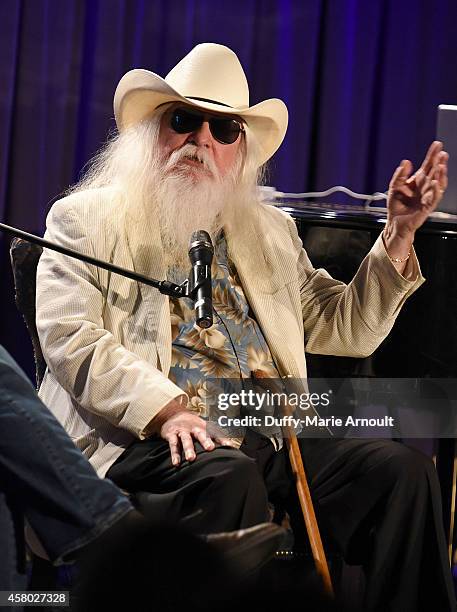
point(224, 129)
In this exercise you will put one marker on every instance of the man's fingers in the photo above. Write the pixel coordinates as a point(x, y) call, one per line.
point(420, 178)
point(187, 445)
point(438, 193)
point(442, 178)
point(442, 174)
point(443, 157)
point(401, 172)
point(219, 435)
point(226, 442)
point(427, 171)
point(430, 158)
point(432, 196)
point(173, 442)
point(184, 439)
point(203, 438)
point(180, 430)
point(439, 174)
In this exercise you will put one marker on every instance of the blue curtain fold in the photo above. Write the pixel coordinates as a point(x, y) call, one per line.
point(361, 79)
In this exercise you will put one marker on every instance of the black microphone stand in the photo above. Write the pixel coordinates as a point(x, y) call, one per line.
point(164, 286)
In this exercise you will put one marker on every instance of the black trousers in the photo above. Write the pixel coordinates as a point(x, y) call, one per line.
point(378, 501)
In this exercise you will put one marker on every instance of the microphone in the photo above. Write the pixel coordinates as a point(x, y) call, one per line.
point(200, 288)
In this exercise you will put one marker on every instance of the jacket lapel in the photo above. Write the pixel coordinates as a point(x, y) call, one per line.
point(149, 262)
point(275, 311)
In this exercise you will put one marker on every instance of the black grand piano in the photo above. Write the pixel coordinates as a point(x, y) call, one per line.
point(423, 342)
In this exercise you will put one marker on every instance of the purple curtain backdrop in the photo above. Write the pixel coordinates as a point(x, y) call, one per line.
point(362, 81)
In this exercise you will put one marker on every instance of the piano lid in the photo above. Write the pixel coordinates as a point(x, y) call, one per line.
point(363, 217)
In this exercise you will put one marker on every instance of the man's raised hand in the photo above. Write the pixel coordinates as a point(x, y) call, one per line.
point(412, 197)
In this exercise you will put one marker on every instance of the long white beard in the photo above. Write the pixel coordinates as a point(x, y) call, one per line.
point(166, 200)
point(188, 201)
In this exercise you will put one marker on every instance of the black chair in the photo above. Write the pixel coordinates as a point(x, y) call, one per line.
point(24, 260)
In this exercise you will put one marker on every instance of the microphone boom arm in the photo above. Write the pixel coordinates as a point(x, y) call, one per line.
point(164, 286)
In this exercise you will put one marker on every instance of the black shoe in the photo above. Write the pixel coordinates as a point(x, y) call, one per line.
point(247, 550)
point(124, 566)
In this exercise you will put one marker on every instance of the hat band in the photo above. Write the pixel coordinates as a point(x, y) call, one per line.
point(208, 100)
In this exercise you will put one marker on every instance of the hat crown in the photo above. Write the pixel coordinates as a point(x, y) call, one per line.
point(211, 72)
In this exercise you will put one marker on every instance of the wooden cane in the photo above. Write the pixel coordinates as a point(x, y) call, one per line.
point(304, 495)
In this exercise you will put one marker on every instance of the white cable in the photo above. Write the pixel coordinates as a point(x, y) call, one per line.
point(320, 194)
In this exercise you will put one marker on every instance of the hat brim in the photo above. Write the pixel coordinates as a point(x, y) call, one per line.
point(140, 92)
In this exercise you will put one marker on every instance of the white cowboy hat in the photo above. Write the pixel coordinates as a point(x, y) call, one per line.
point(209, 77)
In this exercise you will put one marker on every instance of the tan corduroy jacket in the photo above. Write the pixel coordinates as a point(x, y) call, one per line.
point(107, 339)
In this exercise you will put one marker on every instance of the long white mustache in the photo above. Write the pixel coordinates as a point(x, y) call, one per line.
point(190, 151)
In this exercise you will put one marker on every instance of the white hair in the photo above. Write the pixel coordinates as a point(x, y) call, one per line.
point(162, 204)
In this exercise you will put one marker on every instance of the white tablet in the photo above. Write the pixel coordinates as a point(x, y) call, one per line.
point(447, 132)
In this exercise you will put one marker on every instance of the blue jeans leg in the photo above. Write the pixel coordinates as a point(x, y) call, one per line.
point(12, 560)
point(47, 477)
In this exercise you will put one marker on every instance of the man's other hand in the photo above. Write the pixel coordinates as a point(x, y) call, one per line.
point(180, 427)
point(180, 430)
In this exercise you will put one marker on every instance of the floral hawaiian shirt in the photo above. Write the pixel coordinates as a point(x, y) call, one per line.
point(231, 348)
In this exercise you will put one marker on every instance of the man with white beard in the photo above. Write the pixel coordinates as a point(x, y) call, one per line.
point(127, 368)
